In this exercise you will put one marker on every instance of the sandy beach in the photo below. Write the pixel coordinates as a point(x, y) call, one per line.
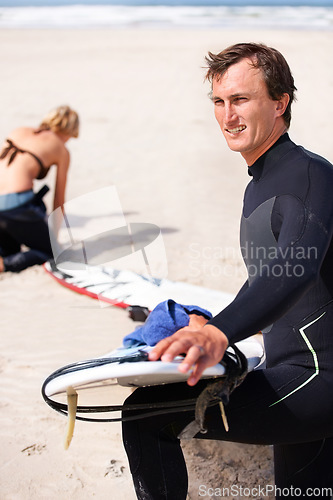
point(148, 129)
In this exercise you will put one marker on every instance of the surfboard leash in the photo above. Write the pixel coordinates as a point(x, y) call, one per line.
point(216, 391)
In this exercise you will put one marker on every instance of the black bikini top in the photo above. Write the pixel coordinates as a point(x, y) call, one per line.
point(13, 150)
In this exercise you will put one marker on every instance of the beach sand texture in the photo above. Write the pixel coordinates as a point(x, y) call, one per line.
point(147, 128)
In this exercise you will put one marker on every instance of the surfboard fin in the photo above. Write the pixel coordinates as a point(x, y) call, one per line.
point(224, 416)
point(72, 407)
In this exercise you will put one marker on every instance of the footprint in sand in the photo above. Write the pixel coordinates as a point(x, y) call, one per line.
point(114, 469)
point(34, 449)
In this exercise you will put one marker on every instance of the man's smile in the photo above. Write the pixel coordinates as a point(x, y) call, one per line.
point(236, 130)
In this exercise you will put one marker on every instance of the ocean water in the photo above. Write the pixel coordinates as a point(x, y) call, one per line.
point(159, 14)
point(133, 3)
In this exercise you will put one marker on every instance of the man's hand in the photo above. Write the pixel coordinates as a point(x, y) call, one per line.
point(204, 346)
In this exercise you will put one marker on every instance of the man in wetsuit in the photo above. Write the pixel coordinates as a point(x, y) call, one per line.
point(288, 215)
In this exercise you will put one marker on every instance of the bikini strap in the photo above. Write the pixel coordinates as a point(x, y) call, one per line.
point(11, 145)
point(8, 148)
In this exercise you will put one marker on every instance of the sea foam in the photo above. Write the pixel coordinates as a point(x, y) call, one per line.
point(113, 16)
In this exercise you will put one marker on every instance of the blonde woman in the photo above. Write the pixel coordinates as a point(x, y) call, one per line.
point(27, 154)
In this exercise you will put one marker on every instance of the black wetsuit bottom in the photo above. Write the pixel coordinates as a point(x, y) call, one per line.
point(24, 225)
point(275, 406)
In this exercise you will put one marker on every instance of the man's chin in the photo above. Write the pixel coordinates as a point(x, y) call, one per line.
point(235, 143)
point(237, 148)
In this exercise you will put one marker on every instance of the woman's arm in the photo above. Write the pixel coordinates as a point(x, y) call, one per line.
point(61, 180)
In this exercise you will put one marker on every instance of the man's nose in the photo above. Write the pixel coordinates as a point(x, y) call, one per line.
point(229, 113)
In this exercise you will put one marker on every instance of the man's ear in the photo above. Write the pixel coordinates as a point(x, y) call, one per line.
point(282, 104)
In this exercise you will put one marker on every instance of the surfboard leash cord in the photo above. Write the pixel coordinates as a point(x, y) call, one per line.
point(234, 362)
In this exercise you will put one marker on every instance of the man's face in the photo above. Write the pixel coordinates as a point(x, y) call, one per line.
point(245, 112)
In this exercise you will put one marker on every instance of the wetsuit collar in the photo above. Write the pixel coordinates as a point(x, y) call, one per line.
point(272, 154)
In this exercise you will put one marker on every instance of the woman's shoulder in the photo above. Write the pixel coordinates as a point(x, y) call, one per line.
point(46, 144)
point(20, 132)
point(53, 147)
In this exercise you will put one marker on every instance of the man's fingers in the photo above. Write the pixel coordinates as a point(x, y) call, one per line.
point(178, 346)
point(197, 371)
point(195, 358)
point(194, 353)
point(202, 348)
point(159, 349)
point(163, 346)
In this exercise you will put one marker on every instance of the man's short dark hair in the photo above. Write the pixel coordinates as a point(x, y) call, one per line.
point(271, 62)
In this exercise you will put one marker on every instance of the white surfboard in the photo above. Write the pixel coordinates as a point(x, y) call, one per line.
point(126, 288)
point(94, 380)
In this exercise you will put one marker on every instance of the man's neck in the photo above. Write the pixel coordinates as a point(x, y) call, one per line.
point(252, 156)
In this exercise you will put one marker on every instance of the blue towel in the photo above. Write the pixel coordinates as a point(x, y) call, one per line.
point(163, 321)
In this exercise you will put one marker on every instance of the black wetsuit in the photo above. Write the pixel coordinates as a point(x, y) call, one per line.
point(286, 240)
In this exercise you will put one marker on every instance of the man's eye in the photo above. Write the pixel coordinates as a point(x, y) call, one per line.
point(218, 102)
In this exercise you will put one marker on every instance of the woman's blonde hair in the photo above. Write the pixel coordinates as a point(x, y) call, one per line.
point(62, 119)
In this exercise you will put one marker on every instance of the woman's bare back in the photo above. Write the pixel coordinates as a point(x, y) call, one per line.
point(34, 150)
